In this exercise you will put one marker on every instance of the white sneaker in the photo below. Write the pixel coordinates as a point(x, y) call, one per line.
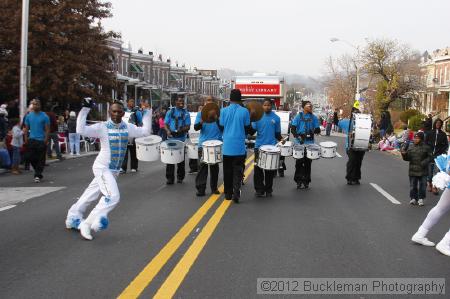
point(413, 202)
point(133, 170)
point(422, 240)
point(442, 248)
point(420, 202)
point(85, 231)
point(71, 154)
point(73, 223)
point(78, 154)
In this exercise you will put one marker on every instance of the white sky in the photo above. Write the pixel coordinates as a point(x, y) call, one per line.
point(280, 35)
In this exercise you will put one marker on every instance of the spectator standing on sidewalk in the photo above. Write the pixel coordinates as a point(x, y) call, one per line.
point(135, 118)
point(16, 143)
point(336, 120)
point(419, 156)
point(436, 139)
point(74, 137)
point(383, 125)
point(53, 136)
point(37, 124)
point(3, 124)
point(330, 120)
point(162, 128)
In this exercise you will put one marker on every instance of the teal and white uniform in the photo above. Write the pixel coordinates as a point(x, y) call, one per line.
point(113, 143)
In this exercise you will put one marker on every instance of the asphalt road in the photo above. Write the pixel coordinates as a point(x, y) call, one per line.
point(163, 240)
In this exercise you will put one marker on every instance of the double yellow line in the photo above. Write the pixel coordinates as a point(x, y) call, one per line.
point(174, 280)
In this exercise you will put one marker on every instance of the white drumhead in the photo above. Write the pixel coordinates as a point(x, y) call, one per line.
point(328, 144)
point(212, 143)
point(286, 144)
point(270, 148)
point(313, 147)
point(172, 144)
point(149, 140)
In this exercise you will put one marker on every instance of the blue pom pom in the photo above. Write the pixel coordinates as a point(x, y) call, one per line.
point(442, 162)
point(75, 223)
point(104, 222)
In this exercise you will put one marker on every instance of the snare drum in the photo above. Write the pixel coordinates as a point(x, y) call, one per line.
point(313, 151)
point(192, 150)
point(172, 151)
point(286, 148)
point(328, 149)
point(147, 148)
point(362, 127)
point(269, 157)
point(298, 151)
point(212, 151)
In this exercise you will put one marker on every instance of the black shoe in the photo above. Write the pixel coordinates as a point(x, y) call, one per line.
point(180, 181)
point(227, 198)
point(200, 193)
point(356, 182)
point(350, 183)
point(299, 186)
point(236, 200)
point(61, 158)
point(169, 183)
point(259, 194)
point(306, 185)
point(216, 192)
point(268, 194)
point(281, 174)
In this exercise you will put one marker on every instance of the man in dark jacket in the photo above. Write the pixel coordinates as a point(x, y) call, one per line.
point(437, 140)
point(419, 156)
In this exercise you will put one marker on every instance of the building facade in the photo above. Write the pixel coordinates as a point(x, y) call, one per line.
point(141, 76)
point(435, 71)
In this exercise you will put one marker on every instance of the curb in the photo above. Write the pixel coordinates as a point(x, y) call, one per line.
point(67, 157)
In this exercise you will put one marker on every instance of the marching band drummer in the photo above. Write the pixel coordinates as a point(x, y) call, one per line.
point(268, 130)
point(354, 157)
point(113, 135)
point(235, 121)
point(177, 124)
point(303, 127)
point(208, 131)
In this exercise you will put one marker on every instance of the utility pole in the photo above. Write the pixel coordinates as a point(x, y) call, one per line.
point(24, 59)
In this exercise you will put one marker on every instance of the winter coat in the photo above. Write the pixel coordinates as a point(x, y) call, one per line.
point(437, 141)
point(419, 156)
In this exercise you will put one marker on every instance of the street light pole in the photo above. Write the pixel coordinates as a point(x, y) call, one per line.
point(23, 59)
point(334, 39)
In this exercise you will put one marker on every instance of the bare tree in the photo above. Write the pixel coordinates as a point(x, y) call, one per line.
point(394, 68)
point(341, 82)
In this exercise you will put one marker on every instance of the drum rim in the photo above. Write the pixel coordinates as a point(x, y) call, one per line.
point(328, 145)
point(209, 143)
point(141, 139)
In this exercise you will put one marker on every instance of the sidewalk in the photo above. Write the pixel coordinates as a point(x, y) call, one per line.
point(66, 157)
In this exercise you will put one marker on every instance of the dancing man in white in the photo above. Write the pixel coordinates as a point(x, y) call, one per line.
point(113, 135)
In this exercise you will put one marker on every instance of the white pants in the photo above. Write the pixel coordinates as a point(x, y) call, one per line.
point(104, 183)
point(436, 213)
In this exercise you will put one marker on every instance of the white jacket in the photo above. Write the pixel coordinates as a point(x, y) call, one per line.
point(113, 138)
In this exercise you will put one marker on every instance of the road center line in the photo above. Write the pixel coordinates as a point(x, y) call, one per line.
point(176, 277)
point(7, 208)
point(385, 194)
point(145, 277)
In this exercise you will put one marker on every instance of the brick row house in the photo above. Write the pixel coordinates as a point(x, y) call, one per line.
point(144, 77)
point(435, 70)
